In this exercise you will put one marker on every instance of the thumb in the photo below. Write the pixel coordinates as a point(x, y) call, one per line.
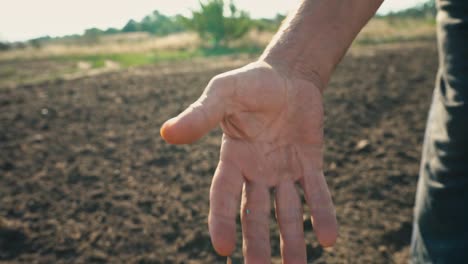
point(201, 116)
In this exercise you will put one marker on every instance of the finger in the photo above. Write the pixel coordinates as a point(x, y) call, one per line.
point(289, 215)
point(200, 117)
point(255, 212)
point(224, 204)
point(319, 200)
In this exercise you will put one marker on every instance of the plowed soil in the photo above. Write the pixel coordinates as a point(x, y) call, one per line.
point(85, 177)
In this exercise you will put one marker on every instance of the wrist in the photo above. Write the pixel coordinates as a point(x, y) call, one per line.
point(315, 37)
point(298, 67)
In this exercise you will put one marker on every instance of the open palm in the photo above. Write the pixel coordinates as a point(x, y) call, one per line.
point(273, 138)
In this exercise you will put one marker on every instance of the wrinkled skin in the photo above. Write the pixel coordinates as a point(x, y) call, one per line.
point(273, 138)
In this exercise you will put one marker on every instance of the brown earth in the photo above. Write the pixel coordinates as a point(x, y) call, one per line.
point(85, 177)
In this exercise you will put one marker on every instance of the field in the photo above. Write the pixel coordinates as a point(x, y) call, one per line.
point(66, 59)
point(86, 178)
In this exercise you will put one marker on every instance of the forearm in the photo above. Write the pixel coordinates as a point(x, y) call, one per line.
point(314, 38)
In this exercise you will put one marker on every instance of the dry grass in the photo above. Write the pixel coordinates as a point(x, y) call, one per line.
point(388, 30)
point(116, 44)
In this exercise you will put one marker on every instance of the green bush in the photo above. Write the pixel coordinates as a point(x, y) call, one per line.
point(212, 23)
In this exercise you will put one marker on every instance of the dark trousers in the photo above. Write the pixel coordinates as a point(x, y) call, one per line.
point(440, 233)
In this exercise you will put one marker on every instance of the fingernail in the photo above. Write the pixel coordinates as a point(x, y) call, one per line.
point(164, 128)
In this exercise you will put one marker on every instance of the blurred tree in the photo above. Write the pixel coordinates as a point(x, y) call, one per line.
point(35, 43)
point(4, 46)
point(93, 31)
point(131, 26)
point(268, 24)
point(423, 10)
point(92, 35)
point(215, 21)
point(156, 24)
point(210, 21)
point(159, 24)
point(111, 31)
point(38, 42)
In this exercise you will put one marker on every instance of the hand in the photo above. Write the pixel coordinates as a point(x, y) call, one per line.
point(273, 138)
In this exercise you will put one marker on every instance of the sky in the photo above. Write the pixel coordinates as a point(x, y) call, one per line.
point(25, 19)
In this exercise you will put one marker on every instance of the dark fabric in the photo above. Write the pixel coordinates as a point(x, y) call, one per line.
point(440, 233)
